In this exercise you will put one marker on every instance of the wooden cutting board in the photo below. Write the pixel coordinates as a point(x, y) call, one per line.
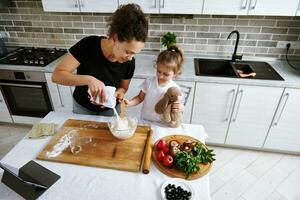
point(173, 171)
point(103, 150)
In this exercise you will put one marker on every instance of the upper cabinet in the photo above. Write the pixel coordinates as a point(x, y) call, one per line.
point(80, 6)
point(148, 6)
point(168, 6)
point(251, 7)
point(225, 7)
point(98, 6)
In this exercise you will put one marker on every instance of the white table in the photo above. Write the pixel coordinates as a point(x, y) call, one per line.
point(82, 182)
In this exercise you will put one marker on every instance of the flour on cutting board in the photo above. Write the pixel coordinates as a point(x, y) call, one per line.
point(72, 140)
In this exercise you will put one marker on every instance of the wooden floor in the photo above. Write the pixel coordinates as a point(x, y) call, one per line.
point(236, 174)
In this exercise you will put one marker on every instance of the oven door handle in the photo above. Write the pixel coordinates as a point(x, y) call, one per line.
point(21, 85)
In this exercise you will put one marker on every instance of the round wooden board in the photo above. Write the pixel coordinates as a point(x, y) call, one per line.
point(174, 172)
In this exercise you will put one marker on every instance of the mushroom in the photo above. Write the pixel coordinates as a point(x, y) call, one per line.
point(174, 150)
point(174, 143)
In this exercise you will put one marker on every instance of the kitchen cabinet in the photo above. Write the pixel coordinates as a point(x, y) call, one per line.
point(168, 6)
point(61, 96)
point(298, 10)
point(251, 7)
point(188, 107)
point(80, 6)
point(284, 133)
point(4, 112)
point(235, 114)
point(252, 115)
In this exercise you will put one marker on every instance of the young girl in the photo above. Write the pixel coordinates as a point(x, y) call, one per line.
point(169, 64)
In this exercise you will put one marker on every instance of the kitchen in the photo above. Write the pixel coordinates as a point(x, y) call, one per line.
point(201, 32)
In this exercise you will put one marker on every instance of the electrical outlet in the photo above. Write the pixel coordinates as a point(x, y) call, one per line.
point(282, 45)
point(4, 34)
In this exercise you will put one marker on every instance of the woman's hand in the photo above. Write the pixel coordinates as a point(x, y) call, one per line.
point(119, 94)
point(97, 90)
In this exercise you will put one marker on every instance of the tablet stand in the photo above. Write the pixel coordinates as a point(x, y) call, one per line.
point(30, 172)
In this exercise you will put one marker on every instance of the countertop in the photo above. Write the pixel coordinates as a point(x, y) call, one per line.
point(83, 182)
point(145, 63)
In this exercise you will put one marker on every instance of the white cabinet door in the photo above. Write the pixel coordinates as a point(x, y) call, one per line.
point(251, 7)
point(181, 7)
point(61, 96)
point(226, 7)
point(61, 5)
point(252, 115)
point(213, 105)
point(133, 90)
point(4, 112)
point(148, 6)
point(271, 7)
point(98, 6)
point(284, 133)
point(187, 114)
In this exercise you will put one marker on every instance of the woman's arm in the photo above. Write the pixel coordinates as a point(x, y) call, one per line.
point(120, 92)
point(63, 74)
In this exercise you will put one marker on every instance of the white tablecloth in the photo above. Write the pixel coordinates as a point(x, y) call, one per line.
point(82, 182)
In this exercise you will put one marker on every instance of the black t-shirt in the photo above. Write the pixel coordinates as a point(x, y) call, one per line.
point(89, 53)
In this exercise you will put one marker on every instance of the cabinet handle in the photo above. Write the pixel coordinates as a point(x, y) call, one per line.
point(1, 100)
point(59, 95)
point(155, 3)
point(230, 106)
point(241, 92)
point(163, 4)
point(286, 98)
point(76, 4)
point(244, 4)
point(81, 3)
point(253, 6)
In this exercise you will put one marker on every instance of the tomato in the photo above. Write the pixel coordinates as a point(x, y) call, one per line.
point(166, 150)
point(168, 161)
point(161, 144)
point(160, 155)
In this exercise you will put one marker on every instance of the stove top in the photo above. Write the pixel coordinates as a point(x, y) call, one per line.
point(32, 56)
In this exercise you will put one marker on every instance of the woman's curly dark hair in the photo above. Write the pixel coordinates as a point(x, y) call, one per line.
point(128, 22)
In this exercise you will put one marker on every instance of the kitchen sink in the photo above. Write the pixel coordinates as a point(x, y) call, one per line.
point(239, 69)
point(214, 67)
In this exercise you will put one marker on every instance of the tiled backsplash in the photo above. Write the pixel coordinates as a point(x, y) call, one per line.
point(29, 25)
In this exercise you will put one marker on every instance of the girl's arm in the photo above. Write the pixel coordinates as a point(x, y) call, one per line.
point(135, 100)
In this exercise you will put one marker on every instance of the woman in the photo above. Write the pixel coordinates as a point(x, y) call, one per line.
point(104, 61)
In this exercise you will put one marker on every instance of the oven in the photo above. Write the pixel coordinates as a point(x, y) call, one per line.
point(26, 95)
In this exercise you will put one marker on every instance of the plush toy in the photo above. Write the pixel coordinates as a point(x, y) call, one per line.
point(163, 106)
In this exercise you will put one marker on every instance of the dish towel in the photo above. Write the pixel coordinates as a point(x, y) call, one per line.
point(42, 130)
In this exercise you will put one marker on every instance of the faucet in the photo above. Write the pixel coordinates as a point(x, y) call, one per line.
point(234, 55)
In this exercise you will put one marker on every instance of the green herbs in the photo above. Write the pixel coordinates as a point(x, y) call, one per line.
point(189, 161)
point(168, 39)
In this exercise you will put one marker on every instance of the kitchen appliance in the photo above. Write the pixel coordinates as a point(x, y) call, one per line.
point(32, 56)
point(26, 95)
point(25, 92)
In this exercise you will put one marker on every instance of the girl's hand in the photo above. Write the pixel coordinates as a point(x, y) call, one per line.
point(127, 102)
point(177, 107)
point(97, 90)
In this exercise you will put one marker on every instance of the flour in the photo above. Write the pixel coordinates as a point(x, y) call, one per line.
point(63, 143)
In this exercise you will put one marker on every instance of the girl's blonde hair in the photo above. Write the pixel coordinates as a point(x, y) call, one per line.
point(172, 58)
